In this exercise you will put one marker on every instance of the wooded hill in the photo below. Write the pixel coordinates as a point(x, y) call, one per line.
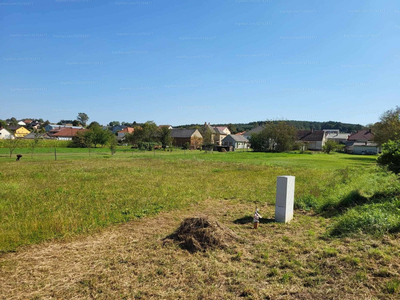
point(301, 125)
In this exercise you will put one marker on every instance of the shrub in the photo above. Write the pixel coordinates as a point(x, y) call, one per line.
point(390, 156)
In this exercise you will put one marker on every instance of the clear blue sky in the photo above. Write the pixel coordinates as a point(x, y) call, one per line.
point(180, 62)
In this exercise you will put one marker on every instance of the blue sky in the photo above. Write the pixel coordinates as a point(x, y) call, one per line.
point(181, 62)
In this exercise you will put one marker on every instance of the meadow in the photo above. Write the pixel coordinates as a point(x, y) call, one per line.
point(344, 233)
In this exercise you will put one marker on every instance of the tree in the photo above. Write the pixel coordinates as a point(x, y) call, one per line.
point(330, 146)
point(3, 124)
point(12, 143)
point(76, 123)
point(114, 123)
point(33, 143)
point(390, 156)
point(13, 122)
point(112, 144)
point(83, 118)
point(93, 125)
point(165, 137)
point(276, 136)
point(389, 127)
point(232, 128)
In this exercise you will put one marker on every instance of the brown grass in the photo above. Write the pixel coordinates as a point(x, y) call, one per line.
point(277, 261)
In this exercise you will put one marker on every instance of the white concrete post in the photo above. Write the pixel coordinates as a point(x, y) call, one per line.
point(284, 199)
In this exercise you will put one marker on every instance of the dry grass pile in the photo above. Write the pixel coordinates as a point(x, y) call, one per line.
point(202, 233)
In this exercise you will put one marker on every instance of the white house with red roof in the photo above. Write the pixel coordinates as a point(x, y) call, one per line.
point(123, 132)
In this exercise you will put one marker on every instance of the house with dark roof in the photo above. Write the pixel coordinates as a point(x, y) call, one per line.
point(314, 139)
point(38, 135)
point(236, 141)
point(180, 137)
point(257, 129)
point(362, 142)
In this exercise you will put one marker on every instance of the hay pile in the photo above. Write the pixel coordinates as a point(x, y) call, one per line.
point(202, 233)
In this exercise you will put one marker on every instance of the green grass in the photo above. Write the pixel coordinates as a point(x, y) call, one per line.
point(43, 199)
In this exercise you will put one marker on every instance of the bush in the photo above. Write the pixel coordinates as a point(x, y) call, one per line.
point(390, 157)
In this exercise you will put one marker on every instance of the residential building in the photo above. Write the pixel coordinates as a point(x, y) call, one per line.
point(236, 141)
point(66, 134)
point(123, 132)
point(5, 134)
point(362, 142)
point(220, 134)
point(336, 136)
point(180, 137)
point(257, 129)
point(51, 127)
point(19, 131)
point(314, 139)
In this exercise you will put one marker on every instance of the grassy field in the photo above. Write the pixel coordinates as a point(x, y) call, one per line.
point(343, 238)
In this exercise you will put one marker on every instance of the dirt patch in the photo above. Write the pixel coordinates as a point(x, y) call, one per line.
point(203, 233)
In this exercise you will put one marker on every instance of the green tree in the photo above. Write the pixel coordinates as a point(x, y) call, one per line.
point(330, 146)
point(83, 118)
point(389, 127)
point(112, 144)
point(3, 124)
point(390, 156)
point(13, 122)
point(76, 123)
point(93, 125)
point(276, 136)
point(12, 143)
point(114, 123)
point(34, 142)
point(232, 128)
point(165, 137)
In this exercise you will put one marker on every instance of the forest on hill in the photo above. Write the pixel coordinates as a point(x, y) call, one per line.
point(300, 125)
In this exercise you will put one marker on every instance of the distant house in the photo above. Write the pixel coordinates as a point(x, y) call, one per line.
point(314, 139)
point(28, 121)
point(21, 123)
point(66, 134)
point(236, 141)
point(220, 134)
point(117, 128)
point(51, 127)
point(362, 142)
point(5, 134)
point(168, 126)
point(19, 131)
point(182, 136)
point(34, 135)
point(123, 132)
point(258, 129)
point(336, 136)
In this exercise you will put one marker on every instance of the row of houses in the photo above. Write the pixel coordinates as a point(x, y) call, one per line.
point(361, 142)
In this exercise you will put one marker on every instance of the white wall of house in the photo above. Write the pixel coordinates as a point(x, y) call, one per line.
point(64, 138)
point(365, 149)
point(5, 134)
